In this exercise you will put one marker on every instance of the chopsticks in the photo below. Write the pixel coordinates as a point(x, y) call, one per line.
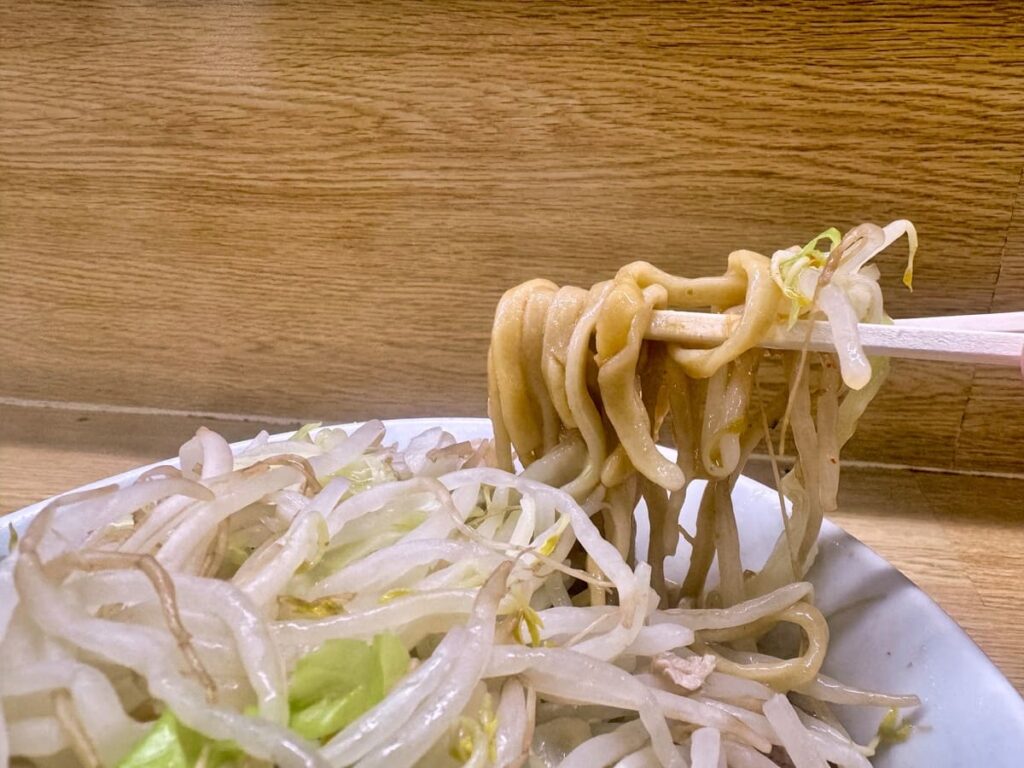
point(992, 321)
point(977, 339)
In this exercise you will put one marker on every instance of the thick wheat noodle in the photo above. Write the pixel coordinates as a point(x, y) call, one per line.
point(664, 532)
point(783, 674)
point(584, 411)
point(534, 322)
point(727, 544)
point(711, 462)
point(617, 467)
point(683, 395)
point(691, 293)
point(502, 440)
point(618, 516)
point(762, 301)
point(703, 549)
point(564, 311)
point(506, 342)
point(519, 414)
point(621, 324)
point(724, 424)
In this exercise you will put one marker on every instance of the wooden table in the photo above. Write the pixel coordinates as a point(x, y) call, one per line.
point(960, 538)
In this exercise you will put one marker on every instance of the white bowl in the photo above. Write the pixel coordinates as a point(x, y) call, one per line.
point(886, 634)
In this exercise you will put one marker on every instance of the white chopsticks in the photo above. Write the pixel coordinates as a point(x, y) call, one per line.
point(963, 339)
point(992, 321)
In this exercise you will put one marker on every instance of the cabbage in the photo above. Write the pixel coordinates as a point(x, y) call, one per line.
point(304, 432)
point(342, 679)
point(169, 744)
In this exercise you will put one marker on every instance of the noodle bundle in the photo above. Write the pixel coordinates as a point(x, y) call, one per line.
point(569, 367)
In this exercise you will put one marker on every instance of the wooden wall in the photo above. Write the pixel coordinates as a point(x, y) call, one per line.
point(309, 210)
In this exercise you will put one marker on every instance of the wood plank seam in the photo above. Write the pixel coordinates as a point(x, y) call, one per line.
point(284, 421)
point(136, 410)
point(991, 302)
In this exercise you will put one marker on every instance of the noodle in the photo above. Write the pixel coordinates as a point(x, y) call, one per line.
point(612, 387)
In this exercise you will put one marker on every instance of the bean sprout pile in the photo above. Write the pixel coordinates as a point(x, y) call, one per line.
point(332, 599)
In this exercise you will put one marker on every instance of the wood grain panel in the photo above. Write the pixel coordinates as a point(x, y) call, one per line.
point(311, 209)
point(991, 438)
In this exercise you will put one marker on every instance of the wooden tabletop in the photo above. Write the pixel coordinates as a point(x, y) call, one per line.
point(310, 209)
point(960, 538)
